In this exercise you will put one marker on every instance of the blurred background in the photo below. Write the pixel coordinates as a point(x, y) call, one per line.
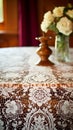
point(22, 19)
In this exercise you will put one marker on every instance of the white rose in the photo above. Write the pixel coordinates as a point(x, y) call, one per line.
point(48, 19)
point(44, 25)
point(58, 11)
point(70, 13)
point(65, 26)
point(49, 16)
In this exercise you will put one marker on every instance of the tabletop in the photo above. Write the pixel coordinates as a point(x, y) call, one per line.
point(35, 97)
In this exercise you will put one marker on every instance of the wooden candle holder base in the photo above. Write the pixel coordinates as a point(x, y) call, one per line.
point(44, 52)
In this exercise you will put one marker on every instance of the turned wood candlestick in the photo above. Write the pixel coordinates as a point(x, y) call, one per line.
point(44, 51)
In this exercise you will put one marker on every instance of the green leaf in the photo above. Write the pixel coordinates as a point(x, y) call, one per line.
point(53, 28)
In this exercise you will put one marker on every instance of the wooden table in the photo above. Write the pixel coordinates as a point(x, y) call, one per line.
point(35, 97)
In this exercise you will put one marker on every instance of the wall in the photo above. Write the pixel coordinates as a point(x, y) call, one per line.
point(12, 16)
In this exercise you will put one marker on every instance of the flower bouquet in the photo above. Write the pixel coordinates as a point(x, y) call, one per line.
point(60, 20)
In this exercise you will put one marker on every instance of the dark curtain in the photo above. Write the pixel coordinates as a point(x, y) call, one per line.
point(28, 22)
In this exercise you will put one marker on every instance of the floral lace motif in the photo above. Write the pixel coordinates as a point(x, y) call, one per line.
point(18, 67)
point(34, 97)
point(36, 106)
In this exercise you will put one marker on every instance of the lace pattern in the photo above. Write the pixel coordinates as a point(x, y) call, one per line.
point(34, 97)
point(36, 106)
point(18, 65)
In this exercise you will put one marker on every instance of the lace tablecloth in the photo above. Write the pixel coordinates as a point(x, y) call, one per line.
point(34, 97)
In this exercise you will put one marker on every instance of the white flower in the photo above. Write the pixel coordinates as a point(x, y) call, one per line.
point(44, 25)
point(59, 20)
point(65, 26)
point(58, 11)
point(70, 13)
point(49, 16)
point(48, 19)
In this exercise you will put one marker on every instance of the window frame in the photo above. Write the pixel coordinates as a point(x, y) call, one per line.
point(3, 24)
point(2, 10)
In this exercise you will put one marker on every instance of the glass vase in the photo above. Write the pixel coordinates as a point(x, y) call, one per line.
point(62, 48)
